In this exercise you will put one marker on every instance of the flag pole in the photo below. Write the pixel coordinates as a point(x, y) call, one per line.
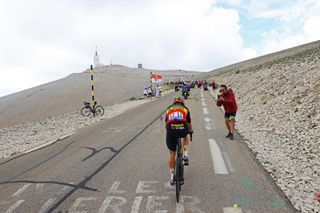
point(151, 80)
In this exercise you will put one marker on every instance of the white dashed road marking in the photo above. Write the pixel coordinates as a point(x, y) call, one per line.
point(208, 123)
point(205, 110)
point(217, 159)
point(201, 94)
point(208, 126)
point(203, 103)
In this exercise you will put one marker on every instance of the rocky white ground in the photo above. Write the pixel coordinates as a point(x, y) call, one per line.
point(23, 137)
point(279, 118)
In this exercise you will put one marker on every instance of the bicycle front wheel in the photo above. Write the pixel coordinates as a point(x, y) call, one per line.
point(85, 111)
point(99, 111)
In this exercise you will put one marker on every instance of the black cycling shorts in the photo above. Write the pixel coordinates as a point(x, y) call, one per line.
point(172, 142)
point(229, 114)
point(175, 131)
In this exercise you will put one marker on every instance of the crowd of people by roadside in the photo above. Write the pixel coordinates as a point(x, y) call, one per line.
point(149, 92)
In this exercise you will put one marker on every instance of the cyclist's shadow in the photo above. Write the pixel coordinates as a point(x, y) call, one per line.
point(95, 151)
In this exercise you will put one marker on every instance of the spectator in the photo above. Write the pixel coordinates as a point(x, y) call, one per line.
point(150, 92)
point(213, 85)
point(158, 91)
point(227, 99)
point(145, 92)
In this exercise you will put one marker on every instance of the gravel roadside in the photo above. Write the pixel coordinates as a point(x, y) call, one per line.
point(279, 118)
point(28, 136)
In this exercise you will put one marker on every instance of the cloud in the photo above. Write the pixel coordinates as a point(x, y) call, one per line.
point(297, 24)
point(230, 2)
point(283, 24)
point(46, 40)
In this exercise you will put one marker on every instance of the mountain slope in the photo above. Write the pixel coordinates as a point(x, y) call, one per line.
point(113, 84)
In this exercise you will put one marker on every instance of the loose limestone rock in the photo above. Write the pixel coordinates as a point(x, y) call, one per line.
point(279, 118)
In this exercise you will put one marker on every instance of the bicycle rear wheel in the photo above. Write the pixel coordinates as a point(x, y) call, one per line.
point(178, 169)
point(99, 111)
point(177, 180)
point(86, 111)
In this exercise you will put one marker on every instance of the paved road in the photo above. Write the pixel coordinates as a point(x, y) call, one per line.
point(120, 165)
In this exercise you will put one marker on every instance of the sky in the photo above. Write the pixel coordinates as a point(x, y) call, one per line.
point(42, 41)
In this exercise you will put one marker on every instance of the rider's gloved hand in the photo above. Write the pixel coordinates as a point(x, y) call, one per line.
point(190, 128)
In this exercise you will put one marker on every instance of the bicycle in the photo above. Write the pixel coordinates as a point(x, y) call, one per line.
point(95, 110)
point(179, 168)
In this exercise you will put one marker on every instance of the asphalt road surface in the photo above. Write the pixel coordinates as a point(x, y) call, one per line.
point(120, 165)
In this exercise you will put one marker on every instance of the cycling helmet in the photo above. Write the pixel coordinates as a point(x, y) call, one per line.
point(178, 100)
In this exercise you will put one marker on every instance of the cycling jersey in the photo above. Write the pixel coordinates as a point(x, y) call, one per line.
point(177, 118)
point(185, 88)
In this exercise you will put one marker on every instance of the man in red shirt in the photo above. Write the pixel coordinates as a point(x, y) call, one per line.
point(228, 101)
point(213, 85)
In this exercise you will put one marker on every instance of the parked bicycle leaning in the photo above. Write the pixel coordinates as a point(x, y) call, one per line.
point(95, 109)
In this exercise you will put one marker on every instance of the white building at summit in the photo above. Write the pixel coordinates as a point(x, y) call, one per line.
point(96, 60)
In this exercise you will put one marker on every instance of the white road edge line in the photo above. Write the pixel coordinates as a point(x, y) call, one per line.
point(49, 143)
point(205, 110)
point(208, 123)
point(217, 159)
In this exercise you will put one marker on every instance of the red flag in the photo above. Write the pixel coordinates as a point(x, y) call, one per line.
point(156, 78)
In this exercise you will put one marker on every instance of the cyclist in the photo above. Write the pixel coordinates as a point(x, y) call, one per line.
point(178, 125)
point(185, 88)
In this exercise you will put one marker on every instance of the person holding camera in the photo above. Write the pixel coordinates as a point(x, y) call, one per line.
point(228, 101)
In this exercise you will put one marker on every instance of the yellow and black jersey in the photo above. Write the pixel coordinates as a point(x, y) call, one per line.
point(178, 113)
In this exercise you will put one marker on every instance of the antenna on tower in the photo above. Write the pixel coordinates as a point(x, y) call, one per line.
point(96, 58)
